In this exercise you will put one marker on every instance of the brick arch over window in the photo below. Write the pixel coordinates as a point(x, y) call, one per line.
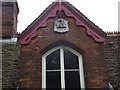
point(64, 43)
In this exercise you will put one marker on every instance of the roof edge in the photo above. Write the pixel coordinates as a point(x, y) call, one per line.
point(70, 11)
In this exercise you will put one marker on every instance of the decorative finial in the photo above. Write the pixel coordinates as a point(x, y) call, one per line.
point(60, 5)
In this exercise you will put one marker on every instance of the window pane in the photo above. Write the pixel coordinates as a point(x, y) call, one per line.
point(72, 79)
point(53, 80)
point(71, 60)
point(53, 60)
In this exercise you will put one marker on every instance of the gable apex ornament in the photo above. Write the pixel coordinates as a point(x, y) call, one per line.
point(61, 25)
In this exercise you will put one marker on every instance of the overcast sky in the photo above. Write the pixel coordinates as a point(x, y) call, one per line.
point(104, 13)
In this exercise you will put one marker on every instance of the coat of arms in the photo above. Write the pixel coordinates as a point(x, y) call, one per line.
point(61, 25)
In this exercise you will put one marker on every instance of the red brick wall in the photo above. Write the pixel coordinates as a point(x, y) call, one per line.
point(9, 19)
point(30, 66)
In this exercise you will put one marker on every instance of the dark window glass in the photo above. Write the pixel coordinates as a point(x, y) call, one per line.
point(53, 80)
point(72, 80)
point(71, 60)
point(53, 60)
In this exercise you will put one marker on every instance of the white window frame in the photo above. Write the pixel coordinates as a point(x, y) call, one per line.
point(81, 71)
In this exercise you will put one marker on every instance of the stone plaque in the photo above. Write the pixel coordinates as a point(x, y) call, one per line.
point(61, 25)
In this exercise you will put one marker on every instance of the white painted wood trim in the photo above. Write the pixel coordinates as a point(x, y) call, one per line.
point(62, 68)
point(43, 73)
point(82, 82)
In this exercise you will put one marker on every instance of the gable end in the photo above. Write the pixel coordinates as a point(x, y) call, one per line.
point(70, 11)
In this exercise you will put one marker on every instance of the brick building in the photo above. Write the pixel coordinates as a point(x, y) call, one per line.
point(59, 47)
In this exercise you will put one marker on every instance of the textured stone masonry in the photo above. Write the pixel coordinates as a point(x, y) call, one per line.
point(10, 54)
point(112, 57)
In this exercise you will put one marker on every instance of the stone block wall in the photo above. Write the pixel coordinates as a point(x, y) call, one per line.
point(112, 57)
point(10, 54)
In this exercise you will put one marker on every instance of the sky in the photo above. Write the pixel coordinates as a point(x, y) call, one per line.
point(104, 13)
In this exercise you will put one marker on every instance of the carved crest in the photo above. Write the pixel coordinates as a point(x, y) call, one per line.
point(61, 25)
